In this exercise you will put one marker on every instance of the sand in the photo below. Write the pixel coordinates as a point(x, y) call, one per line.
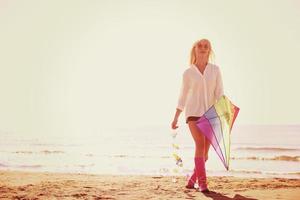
point(34, 185)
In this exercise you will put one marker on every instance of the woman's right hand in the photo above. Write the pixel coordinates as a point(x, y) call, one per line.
point(174, 124)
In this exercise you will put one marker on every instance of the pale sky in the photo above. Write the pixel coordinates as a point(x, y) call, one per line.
point(69, 67)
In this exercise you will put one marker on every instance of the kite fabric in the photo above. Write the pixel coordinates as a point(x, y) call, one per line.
point(216, 125)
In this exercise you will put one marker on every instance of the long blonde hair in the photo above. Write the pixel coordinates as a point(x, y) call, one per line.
point(211, 55)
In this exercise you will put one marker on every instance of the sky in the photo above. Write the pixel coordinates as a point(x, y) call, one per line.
point(73, 67)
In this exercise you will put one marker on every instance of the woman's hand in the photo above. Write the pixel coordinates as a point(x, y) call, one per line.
point(174, 124)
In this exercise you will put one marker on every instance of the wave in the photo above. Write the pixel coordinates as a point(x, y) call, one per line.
point(29, 166)
point(266, 149)
point(276, 158)
point(50, 152)
point(246, 171)
point(44, 152)
point(281, 158)
point(20, 166)
point(85, 166)
point(3, 165)
point(130, 156)
point(294, 173)
point(24, 152)
point(54, 145)
point(264, 172)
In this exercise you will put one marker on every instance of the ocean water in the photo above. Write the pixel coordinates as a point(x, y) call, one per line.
point(256, 151)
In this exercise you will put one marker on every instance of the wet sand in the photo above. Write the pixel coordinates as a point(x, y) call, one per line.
point(36, 185)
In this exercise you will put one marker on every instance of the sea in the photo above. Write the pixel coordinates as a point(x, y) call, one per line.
point(255, 151)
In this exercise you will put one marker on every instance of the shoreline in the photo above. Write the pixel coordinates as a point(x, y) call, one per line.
point(49, 185)
point(210, 173)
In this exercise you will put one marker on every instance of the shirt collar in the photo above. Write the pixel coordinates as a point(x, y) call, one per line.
point(196, 68)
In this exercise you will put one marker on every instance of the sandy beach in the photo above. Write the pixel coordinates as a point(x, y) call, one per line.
point(36, 185)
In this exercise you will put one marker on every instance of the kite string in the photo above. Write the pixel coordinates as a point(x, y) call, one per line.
point(177, 158)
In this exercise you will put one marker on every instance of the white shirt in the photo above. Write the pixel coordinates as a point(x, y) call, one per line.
point(200, 91)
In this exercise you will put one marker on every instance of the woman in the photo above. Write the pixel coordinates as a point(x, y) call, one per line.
point(201, 87)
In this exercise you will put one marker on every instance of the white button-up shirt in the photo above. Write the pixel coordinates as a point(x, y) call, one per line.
point(200, 91)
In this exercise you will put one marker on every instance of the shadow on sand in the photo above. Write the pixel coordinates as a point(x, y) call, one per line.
point(219, 196)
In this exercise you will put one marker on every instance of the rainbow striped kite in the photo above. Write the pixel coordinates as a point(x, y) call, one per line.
point(216, 125)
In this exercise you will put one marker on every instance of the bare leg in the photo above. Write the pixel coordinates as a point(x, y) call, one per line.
point(199, 139)
point(200, 150)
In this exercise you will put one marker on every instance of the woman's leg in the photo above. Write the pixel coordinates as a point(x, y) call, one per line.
point(199, 139)
point(200, 154)
point(199, 150)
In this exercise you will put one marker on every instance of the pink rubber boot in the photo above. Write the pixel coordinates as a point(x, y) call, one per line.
point(192, 180)
point(201, 174)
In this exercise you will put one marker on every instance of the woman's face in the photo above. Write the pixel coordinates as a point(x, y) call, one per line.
point(203, 48)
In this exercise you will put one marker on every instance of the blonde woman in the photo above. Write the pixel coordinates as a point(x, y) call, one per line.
point(201, 87)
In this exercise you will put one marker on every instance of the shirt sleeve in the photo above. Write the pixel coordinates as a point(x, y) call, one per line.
point(183, 92)
point(219, 91)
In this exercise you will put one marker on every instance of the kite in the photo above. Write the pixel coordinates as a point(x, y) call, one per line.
point(216, 125)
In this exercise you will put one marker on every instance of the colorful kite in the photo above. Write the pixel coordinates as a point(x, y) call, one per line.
point(216, 125)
